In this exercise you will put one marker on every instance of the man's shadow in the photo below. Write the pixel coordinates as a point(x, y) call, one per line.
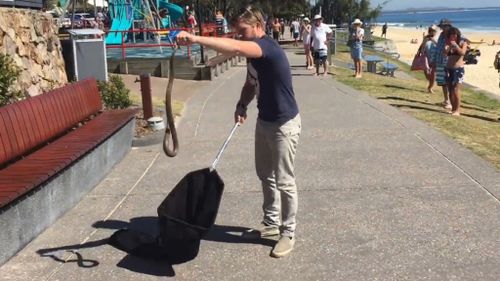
point(147, 230)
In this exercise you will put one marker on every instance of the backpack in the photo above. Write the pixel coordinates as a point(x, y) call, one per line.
point(496, 63)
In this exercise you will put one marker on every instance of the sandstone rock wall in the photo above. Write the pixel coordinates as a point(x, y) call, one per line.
point(30, 38)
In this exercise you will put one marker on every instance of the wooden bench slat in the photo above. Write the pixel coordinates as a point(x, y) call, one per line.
point(39, 118)
point(24, 130)
point(4, 141)
point(34, 123)
point(67, 112)
point(11, 133)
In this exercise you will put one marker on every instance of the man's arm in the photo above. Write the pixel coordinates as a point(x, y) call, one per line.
point(226, 46)
point(247, 95)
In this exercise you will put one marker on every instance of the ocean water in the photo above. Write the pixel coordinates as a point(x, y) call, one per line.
point(487, 19)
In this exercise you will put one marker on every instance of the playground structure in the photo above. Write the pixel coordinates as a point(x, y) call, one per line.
point(135, 14)
point(140, 14)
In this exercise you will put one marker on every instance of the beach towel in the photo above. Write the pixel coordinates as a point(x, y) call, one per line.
point(440, 60)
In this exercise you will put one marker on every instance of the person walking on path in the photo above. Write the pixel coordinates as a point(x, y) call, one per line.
point(384, 30)
point(306, 40)
point(295, 28)
point(455, 49)
point(278, 124)
point(282, 28)
point(438, 58)
point(357, 36)
point(320, 33)
point(427, 47)
point(276, 26)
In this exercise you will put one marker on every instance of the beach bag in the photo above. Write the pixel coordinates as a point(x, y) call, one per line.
point(496, 63)
point(420, 62)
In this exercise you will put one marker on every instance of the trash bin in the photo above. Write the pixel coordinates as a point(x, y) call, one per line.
point(88, 54)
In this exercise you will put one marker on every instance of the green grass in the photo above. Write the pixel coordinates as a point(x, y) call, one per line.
point(477, 129)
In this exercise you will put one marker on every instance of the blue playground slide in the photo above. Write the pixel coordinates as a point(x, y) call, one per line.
point(114, 38)
point(174, 11)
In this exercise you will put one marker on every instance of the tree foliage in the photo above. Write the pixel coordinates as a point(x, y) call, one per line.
point(230, 8)
point(344, 11)
point(8, 76)
point(114, 93)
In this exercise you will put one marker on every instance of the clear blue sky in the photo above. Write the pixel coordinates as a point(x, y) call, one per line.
point(405, 4)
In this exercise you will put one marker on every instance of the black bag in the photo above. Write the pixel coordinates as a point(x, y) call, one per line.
point(189, 211)
point(185, 217)
point(496, 62)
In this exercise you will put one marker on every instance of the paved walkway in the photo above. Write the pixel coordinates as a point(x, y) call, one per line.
point(382, 197)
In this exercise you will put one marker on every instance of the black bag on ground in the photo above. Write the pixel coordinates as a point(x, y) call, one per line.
point(189, 211)
point(496, 62)
point(185, 216)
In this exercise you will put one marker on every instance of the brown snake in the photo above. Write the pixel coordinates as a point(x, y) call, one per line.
point(170, 129)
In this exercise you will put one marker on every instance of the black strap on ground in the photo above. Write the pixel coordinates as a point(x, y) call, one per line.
point(170, 131)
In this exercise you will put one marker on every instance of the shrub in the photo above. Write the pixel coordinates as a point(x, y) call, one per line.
point(114, 93)
point(8, 75)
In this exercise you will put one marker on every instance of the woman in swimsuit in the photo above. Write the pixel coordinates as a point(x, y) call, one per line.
point(455, 49)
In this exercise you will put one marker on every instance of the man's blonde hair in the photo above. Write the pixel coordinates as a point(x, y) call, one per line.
point(251, 16)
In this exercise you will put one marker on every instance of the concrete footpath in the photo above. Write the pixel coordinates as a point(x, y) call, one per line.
point(382, 197)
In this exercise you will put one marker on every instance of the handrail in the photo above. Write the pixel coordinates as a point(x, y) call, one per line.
point(124, 46)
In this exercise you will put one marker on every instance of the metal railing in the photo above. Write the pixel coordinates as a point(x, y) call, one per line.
point(207, 30)
point(155, 32)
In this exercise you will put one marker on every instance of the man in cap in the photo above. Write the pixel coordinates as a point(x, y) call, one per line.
point(320, 34)
point(438, 60)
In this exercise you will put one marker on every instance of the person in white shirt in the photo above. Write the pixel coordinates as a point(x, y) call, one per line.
point(320, 34)
point(295, 27)
point(357, 35)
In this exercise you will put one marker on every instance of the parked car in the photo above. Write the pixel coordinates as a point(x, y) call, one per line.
point(65, 22)
point(84, 20)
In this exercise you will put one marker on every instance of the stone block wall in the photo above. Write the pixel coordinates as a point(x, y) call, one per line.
point(30, 38)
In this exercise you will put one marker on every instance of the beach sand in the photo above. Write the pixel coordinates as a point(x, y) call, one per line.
point(482, 75)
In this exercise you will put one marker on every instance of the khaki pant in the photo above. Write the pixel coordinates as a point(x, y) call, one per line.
point(275, 148)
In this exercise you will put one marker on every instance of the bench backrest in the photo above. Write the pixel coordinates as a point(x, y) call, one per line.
point(31, 123)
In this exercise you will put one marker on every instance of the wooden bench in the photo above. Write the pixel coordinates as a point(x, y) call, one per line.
point(388, 68)
point(54, 148)
point(41, 136)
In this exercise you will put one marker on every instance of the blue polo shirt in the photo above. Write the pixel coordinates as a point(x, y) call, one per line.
point(276, 99)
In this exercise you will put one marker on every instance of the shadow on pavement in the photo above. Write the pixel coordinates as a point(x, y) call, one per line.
point(426, 103)
point(233, 234)
point(440, 111)
point(139, 240)
point(57, 253)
